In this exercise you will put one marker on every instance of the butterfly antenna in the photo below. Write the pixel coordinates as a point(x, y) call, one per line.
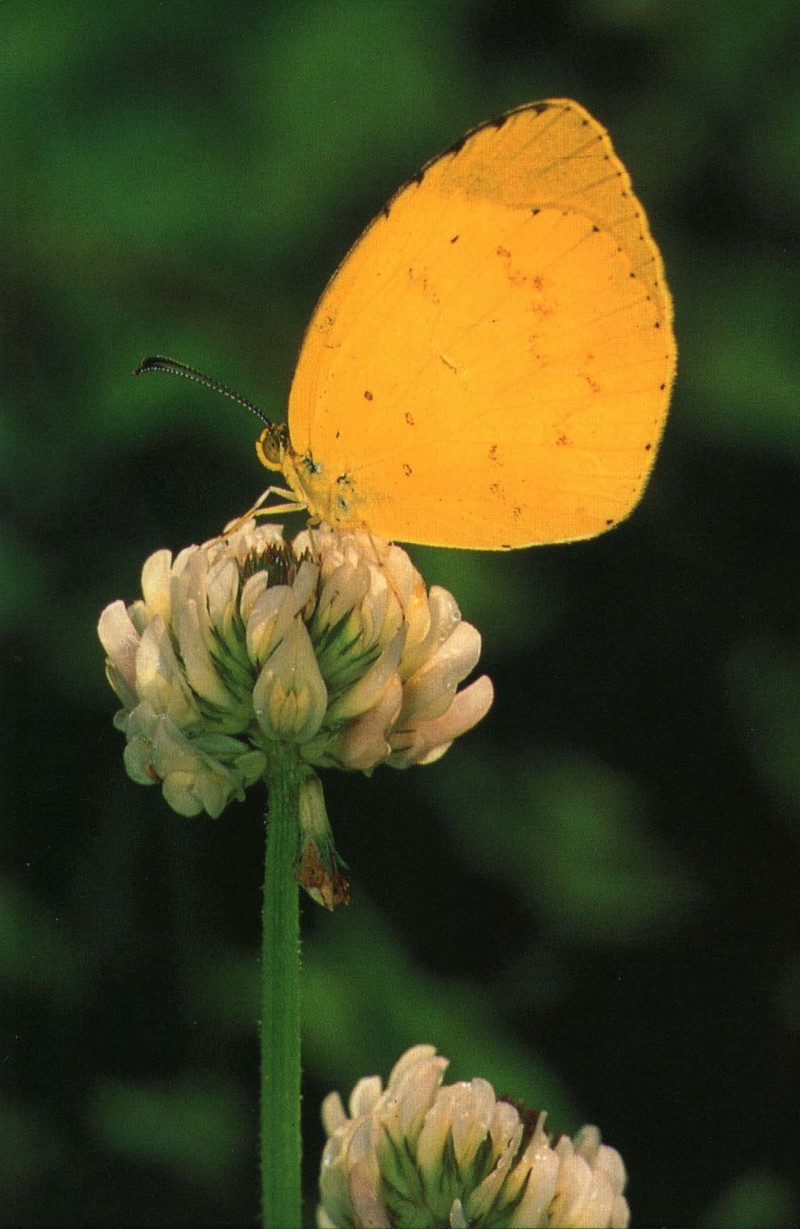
point(158, 362)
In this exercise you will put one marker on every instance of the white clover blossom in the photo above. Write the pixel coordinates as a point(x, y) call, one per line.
point(419, 1153)
point(330, 649)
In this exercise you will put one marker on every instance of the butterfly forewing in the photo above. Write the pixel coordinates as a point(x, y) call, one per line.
point(490, 366)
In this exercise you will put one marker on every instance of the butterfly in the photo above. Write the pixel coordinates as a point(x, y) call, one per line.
point(490, 367)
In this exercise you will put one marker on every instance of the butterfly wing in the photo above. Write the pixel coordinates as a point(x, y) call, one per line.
point(491, 365)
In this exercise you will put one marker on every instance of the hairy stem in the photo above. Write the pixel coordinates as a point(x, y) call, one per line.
point(280, 1006)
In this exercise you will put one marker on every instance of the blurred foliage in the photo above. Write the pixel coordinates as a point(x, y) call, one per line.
point(593, 899)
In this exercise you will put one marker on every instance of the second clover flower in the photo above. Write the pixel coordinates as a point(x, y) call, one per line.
point(426, 1154)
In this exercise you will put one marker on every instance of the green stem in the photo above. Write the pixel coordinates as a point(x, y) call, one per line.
point(280, 1006)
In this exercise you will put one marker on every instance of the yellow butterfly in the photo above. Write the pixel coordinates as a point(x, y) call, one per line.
point(491, 365)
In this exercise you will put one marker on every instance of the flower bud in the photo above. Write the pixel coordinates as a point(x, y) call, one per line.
point(318, 868)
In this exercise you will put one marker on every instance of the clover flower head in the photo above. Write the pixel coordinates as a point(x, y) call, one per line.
point(329, 649)
point(426, 1154)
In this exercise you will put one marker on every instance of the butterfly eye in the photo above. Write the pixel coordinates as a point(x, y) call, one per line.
point(272, 445)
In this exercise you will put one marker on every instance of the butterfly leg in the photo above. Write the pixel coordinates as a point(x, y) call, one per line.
point(291, 504)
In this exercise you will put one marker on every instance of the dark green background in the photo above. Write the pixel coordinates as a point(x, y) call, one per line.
point(593, 900)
